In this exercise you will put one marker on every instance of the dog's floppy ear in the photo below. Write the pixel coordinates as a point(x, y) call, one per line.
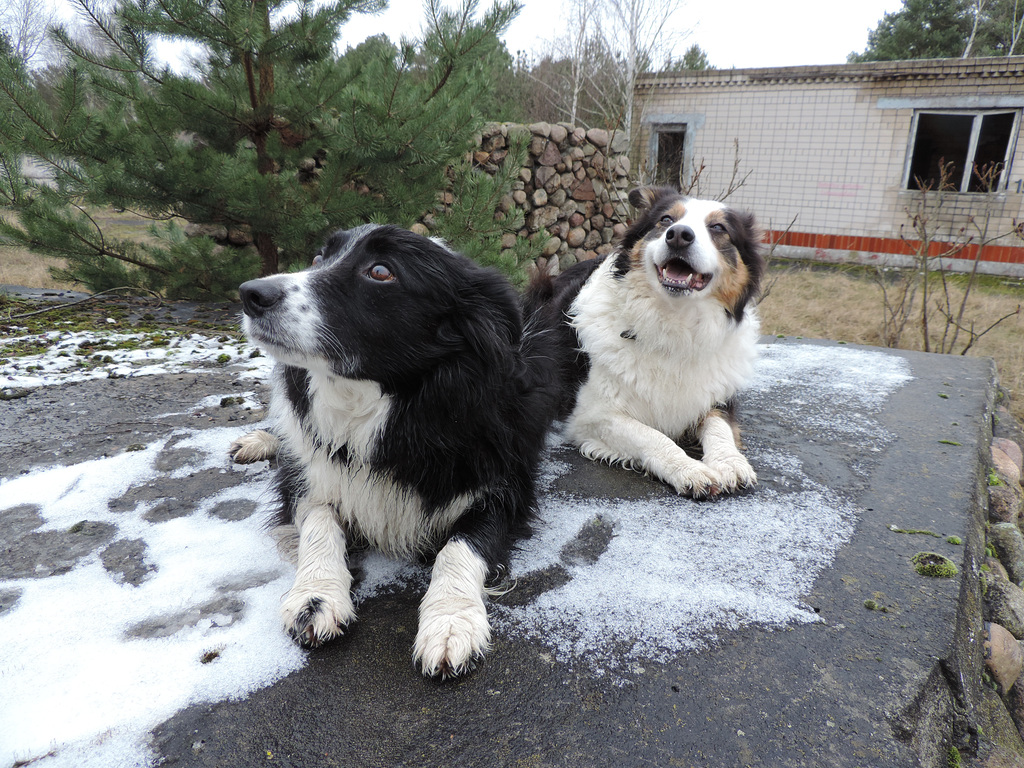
point(643, 198)
point(486, 326)
point(748, 238)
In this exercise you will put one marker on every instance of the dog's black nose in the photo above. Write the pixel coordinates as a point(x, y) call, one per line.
point(679, 236)
point(258, 296)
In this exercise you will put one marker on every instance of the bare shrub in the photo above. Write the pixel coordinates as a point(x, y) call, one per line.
point(841, 303)
point(901, 289)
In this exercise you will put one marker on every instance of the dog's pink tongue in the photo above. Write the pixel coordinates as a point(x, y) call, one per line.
point(677, 271)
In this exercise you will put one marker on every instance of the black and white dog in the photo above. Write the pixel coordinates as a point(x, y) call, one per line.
point(657, 339)
point(410, 407)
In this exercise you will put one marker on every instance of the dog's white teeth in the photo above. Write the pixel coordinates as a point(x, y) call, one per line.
point(678, 277)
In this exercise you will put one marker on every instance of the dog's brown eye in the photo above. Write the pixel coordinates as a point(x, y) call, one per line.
point(667, 220)
point(380, 273)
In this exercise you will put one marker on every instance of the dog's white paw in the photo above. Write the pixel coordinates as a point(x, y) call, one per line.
point(258, 445)
point(453, 635)
point(696, 479)
point(453, 631)
point(735, 472)
point(317, 612)
point(595, 450)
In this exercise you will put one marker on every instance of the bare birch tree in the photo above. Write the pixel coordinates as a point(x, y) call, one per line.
point(977, 9)
point(26, 24)
point(589, 73)
point(1016, 27)
point(561, 73)
point(641, 32)
point(580, 28)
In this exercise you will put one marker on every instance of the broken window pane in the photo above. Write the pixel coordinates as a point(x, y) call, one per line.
point(989, 157)
point(940, 139)
point(973, 146)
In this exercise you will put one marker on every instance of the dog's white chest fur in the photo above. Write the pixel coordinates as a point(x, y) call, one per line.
point(345, 421)
point(662, 360)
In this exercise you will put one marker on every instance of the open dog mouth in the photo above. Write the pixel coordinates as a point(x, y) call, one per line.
point(678, 276)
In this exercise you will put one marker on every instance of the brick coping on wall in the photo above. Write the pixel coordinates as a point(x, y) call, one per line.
point(918, 69)
point(1000, 254)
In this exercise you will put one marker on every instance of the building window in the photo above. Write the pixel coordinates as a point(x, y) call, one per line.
point(976, 147)
point(671, 156)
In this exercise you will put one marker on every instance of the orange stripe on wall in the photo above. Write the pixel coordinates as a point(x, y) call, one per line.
point(994, 253)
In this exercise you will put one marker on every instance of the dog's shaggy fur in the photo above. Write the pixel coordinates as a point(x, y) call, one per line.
point(410, 402)
point(409, 409)
point(657, 339)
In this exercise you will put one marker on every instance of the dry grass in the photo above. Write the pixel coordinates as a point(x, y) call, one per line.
point(22, 267)
point(19, 266)
point(846, 305)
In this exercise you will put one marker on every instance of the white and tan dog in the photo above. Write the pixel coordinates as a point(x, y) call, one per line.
point(658, 339)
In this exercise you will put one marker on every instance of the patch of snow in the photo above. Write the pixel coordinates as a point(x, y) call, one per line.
point(74, 679)
point(856, 379)
point(833, 391)
point(133, 354)
point(677, 572)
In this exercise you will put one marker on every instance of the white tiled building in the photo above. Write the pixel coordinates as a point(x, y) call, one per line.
point(834, 153)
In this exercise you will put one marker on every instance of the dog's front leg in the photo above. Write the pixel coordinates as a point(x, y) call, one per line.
point(721, 453)
point(258, 445)
point(319, 604)
point(618, 438)
point(453, 631)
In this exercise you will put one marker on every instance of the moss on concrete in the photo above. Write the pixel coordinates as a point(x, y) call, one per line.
point(934, 565)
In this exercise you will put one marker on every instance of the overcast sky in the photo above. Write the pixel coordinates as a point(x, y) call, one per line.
point(734, 33)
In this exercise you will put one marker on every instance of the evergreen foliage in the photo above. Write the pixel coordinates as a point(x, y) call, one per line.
point(921, 29)
point(694, 58)
point(270, 132)
point(944, 29)
point(471, 220)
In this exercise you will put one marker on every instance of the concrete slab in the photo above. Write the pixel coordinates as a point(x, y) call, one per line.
point(763, 653)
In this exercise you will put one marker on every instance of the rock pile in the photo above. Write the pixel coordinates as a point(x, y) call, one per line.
point(1003, 575)
point(572, 188)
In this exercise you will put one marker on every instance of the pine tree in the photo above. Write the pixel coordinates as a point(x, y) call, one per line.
point(475, 221)
point(921, 29)
point(695, 58)
point(270, 135)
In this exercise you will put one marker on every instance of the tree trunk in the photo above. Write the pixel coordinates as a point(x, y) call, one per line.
point(261, 98)
point(977, 6)
point(268, 253)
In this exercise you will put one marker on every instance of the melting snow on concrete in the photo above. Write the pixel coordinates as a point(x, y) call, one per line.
point(77, 678)
point(81, 684)
point(676, 572)
point(70, 356)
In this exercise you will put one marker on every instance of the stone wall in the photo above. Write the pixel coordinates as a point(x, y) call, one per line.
point(572, 188)
point(571, 191)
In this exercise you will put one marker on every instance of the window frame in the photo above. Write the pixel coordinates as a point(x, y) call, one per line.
point(977, 116)
point(690, 123)
point(684, 165)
